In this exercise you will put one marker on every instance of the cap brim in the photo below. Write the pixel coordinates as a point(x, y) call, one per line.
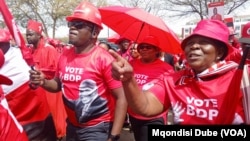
point(5, 80)
point(244, 40)
point(70, 18)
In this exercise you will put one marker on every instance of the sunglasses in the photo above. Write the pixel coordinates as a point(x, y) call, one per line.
point(79, 24)
point(145, 47)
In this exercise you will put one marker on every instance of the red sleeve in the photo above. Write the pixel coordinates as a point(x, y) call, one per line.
point(157, 87)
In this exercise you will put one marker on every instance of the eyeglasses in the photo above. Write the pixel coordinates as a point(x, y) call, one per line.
point(145, 47)
point(79, 24)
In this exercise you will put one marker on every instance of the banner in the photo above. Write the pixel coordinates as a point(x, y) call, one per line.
point(216, 10)
point(199, 132)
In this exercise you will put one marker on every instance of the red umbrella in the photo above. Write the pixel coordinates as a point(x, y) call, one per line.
point(135, 24)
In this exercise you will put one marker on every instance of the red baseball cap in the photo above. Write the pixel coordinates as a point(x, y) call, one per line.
point(3, 79)
point(245, 34)
point(88, 12)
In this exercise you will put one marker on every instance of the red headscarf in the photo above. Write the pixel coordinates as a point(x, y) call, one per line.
point(35, 26)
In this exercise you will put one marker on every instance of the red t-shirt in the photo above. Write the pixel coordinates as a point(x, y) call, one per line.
point(86, 85)
point(143, 76)
point(216, 17)
point(46, 58)
point(216, 101)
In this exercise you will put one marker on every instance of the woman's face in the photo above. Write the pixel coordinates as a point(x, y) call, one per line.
point(133, 51)
point(148, 52)
point(201, 53)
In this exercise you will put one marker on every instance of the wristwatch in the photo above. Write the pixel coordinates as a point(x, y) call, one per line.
point(114, 137)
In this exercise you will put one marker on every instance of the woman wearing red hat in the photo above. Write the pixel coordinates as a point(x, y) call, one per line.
point(150, 59)
point(207, 92)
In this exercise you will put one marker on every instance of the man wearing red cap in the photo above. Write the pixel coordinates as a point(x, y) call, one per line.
point(206, 92)
point(95, 103)
point(46, 57)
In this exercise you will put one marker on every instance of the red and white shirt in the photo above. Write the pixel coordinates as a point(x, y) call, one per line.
point(194, 101)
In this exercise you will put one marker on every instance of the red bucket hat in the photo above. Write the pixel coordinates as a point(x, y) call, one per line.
point(245, 34)
point(35, 26)
point(4, 35)
point(213, 29)
point(150, 40)
point(3, 79)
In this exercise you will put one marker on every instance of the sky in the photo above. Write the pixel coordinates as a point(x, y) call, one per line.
point(175, 25)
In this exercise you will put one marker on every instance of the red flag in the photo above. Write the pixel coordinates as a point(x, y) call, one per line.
point(15, 32)
point(29, 99)
point(8, 127)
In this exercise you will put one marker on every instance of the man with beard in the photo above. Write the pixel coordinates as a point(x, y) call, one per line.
point(86, 61)
point(46, 57)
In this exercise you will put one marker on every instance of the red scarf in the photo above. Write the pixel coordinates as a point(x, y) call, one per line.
point(216, 69)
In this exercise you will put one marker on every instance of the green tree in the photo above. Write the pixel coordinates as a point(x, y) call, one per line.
point(182, 8)
point(52, 13)
point(189, 8)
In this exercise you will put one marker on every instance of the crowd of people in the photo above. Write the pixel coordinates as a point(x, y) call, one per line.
point(89, 89)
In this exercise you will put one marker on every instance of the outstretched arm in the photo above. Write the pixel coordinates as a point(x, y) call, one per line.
point(37, 78)
point(144, 103)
